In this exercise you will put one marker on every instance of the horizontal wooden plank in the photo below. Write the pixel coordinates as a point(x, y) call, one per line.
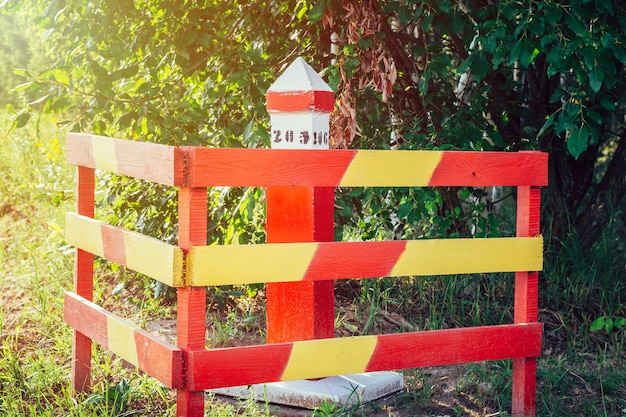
point(207, 167)
point(289, 262)
point(149, 161)
point(350, 168)
point(138, 252)
point(149, 353)
point(247, 365)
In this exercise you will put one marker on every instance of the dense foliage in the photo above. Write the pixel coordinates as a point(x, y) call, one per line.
point(504, 75)
point(473, 74)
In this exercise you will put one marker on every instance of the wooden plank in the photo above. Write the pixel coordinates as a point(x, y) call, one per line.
point(207, 167)
point(445, 347)
point(138, 252)
point(299, 214)
point(526, 303)
point(479, 169)
point(210, 167)
point(149, 161)
point(149, 353)
point(217, 368)
point(83, 282)
point(191, 301)
point(291, 262)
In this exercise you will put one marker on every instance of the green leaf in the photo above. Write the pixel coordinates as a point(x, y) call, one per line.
point(456, 23)
point(516, 48)
point(350, 327)
point(465, 64)
point(525, 55)
point(607, 102)
point(247, 132)
point(597, 324)
point(548, 39)
point(404, 16)
point(490, 42)
point(61, 76)
point(480, 66)
point(404, 209)
point(596, 77)
point(317, 11)
point(578, 140)
point(21, 118)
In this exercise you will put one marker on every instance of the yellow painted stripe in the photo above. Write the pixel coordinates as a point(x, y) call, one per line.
point(284, 262)
point(144, 254)
point(83, 233)
point(122, 340)
point(154, 258)
point(391, 168)
point(247, 264)
point(104, 153)
point(467, 256)
point(319, 358)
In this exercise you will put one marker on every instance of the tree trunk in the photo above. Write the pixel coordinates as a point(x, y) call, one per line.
point(610, 191)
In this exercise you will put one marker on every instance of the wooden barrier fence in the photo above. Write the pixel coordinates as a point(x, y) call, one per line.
point(191, 265)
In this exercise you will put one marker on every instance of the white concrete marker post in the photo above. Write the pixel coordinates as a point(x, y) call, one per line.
point(299, 104)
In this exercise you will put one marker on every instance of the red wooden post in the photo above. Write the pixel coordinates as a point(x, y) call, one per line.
point(299, 103)
point(526, 292)
point(83, 282)
point(191, 316)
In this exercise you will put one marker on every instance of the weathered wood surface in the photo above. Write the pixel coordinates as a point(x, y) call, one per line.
point(526, 303)
point(149, 161)
point(209, 167)
point(324, 357)
point(297, 214)
point(135, 251)
point(290, 262)
point(83, 281)
point(363, 168)
point(149, 353)
point(191, 301)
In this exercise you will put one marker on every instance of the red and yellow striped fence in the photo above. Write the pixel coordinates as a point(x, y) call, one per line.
point(190, 266)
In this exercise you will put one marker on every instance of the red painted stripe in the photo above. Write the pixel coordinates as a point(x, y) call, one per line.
point(228, 367)
point(209, 167)
point(84, 317)
point(113, 244)
point(480, 169)
point(443, 347)
point(160, 360)
point(296, 101)
point(338, 260)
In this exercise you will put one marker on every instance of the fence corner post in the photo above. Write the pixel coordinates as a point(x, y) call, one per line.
point(299, 104)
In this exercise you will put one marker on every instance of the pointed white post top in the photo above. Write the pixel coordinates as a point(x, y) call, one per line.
point(299, 103)
point(299, 76)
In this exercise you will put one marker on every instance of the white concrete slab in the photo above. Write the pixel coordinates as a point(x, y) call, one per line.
point(341, 390)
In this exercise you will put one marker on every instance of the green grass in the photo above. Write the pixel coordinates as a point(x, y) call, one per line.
point(581, 372)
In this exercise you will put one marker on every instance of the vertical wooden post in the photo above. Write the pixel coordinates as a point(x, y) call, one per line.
point(526, 294)
point(299, 103)
point(191, 315)
point(83, 282)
